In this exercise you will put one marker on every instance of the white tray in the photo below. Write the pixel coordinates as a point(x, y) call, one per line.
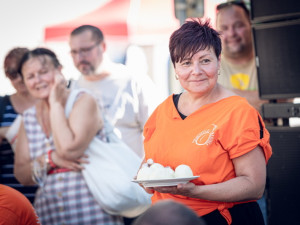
point(165, 182)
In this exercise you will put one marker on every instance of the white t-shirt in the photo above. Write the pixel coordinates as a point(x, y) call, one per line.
point(127, 102)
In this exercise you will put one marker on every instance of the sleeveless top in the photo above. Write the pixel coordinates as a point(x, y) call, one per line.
point(65, 197)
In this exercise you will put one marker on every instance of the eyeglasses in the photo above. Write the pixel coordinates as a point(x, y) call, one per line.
point(239, 3)
point(12, 74)
point(84, 51)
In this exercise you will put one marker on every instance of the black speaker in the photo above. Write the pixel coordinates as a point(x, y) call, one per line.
point(270, 10)
point(283, 176)
point(277, 49)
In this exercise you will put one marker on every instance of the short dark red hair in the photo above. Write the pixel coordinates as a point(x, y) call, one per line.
point(193, 36)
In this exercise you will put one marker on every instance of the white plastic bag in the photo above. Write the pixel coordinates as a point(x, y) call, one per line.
point(109, 173)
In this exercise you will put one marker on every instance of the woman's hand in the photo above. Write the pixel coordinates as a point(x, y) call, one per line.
point(58, 91)
point(181, 189)
point(248, 184)
point(148, 189)
point(72, 165)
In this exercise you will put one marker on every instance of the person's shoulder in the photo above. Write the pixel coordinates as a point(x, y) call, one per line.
point(166, 104)
point(232, 100)
point(81, 94)
point(239, 105)
point(4, 99)
point(79, 91)
point(239, 101)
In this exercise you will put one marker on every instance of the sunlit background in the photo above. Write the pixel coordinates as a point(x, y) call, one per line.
point(23, 24)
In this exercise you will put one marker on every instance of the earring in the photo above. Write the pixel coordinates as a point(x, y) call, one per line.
point(176, 76)
point(218, 72)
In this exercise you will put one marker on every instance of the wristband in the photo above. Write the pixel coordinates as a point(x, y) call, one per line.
point(51, 163)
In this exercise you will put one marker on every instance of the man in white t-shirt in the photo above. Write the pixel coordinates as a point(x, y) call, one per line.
point(126, 100)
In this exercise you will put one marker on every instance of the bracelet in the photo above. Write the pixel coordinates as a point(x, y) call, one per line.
point(36, 171)
point(51, 163)
point(33, 173)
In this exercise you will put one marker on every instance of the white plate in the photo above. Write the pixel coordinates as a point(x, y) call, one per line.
point(165, 182)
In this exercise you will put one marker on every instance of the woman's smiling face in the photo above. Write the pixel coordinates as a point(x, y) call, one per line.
point(198, 73)
point(38, 74)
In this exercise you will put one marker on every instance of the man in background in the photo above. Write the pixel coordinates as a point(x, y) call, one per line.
point(126, 100)
point(238, 68)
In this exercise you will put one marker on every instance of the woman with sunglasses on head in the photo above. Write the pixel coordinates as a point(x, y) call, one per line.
point(52, 141)
point(10, 107)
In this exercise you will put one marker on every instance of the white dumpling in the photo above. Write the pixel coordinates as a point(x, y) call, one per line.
point(160, 173)
point(183, 171)
point(144, 173)
point(156, 166)
point(170, 171)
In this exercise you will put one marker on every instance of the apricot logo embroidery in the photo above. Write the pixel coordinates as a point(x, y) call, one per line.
point(206, 136)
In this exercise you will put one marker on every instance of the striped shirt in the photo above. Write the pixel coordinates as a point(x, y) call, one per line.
point(7, 156)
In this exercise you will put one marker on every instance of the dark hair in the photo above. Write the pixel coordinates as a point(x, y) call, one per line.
point(96, 32)
point(36, 53)
point(167, 212)
point(193, 36)
point(240, 4)
point(15, 55)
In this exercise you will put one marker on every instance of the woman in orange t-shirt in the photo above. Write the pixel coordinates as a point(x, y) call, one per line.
point(217, 133)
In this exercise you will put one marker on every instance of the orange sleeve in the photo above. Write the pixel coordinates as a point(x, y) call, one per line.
point(243, 133)
point(149, 127)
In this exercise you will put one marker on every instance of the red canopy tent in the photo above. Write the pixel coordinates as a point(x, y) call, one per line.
point(135, 20)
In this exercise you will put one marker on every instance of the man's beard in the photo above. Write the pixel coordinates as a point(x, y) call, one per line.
point(234, 51)
point(86, 68)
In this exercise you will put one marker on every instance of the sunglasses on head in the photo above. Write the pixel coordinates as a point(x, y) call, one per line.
point(228, 3)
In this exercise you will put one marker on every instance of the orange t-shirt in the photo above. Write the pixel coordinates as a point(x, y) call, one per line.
point(15, 208)
point(207, 140)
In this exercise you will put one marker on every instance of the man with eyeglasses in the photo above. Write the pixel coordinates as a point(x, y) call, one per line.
point(238, 69)
point(126, 100)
